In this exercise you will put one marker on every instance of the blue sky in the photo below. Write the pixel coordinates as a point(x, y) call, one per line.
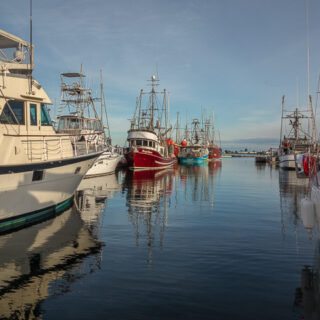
point(238, 56)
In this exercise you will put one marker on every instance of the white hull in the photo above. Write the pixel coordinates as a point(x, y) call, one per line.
point(287, 161)
point(19, 195)
point(105, 164)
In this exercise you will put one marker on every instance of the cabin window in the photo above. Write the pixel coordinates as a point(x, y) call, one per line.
point(33, 114)
point(145, 143)
point(89, 125)
point(61, 124)
point(139, 142)
point(97, 125)
point(73, 123)
point(13, 112)
point(45, 118)
point(153, 144)
point(150, 143)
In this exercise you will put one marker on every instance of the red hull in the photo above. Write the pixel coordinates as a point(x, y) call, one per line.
point(147, 159)
point(214, 153)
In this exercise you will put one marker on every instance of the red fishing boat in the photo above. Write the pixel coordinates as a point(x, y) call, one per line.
point(147, 138)
point(215, 151)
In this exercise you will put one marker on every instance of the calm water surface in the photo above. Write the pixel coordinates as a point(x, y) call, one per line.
point(219, 241)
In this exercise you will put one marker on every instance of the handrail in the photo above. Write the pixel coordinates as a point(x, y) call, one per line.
point(52, 135)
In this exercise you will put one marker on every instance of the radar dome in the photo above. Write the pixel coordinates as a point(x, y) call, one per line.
point(19, 56)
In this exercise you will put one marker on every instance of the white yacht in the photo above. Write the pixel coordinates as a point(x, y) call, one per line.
point(39, 169)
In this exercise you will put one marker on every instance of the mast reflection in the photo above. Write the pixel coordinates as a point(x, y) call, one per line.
point(198, 180)
point(44, 260)
point(147, 201)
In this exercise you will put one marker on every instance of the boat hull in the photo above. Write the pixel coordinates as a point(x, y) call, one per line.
point(214, 154)
point(193, 160)
point(28, 197)
point(105, 164)
point(147, 159)
point(287, 161)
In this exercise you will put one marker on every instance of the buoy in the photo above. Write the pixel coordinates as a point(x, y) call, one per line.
point(286, 143)
point(308, 213)
point(308, 164)
point(184, 143)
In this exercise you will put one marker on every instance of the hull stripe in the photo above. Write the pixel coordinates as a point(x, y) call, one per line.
point(44, 165)
point(17, 222)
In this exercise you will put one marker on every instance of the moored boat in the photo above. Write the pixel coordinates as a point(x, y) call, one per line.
point(298, 140)
point(40, 169)
point(79, 116)
point(194, 150)
point(215, 151)
point(148, 148)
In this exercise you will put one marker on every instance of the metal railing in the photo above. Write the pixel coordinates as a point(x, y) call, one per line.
point(53, 147)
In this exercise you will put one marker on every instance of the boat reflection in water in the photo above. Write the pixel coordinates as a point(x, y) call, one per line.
point(44, 260)
point(307, 298)
point(198, 180)
point(292, 190)
point(92, 194)
point(145, 191)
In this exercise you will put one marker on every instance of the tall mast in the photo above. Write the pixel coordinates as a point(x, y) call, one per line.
point(308, 47)
point(31, 51)
point(101, 88)
point(153, 78)
point(282, 109)
point(165, 110)
point(313, 122)
point(140, 101)
point(212, 125)
point(177, 127)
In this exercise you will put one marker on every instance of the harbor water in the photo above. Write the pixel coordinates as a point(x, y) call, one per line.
point(223, 240)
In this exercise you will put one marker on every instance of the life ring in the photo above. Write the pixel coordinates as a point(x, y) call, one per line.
point(308, 164)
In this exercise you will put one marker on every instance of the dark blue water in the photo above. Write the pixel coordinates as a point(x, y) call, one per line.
point(219, 241)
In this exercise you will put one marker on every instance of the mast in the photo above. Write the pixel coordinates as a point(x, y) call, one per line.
point(165, 111)
point(212, 126)
point(101, 88)
point(153, 93)
point(140, 101)
point(282, 109)
point(313, 122)
point(177, 126)
point(31, 51)
point(308, 47)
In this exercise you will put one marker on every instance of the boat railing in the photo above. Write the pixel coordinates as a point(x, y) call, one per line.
point(57, 147)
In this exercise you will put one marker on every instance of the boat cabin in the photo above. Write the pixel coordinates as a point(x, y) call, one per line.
point(72, 122)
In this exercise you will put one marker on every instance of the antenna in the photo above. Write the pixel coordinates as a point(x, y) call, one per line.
point(157, 73)
point(308, 47)
point(31, 51)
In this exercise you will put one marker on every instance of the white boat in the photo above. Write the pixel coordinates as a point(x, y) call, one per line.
point(105, 164)
point(39, 169)
point(298, 140)
point(287, 161)
point(78, 115)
